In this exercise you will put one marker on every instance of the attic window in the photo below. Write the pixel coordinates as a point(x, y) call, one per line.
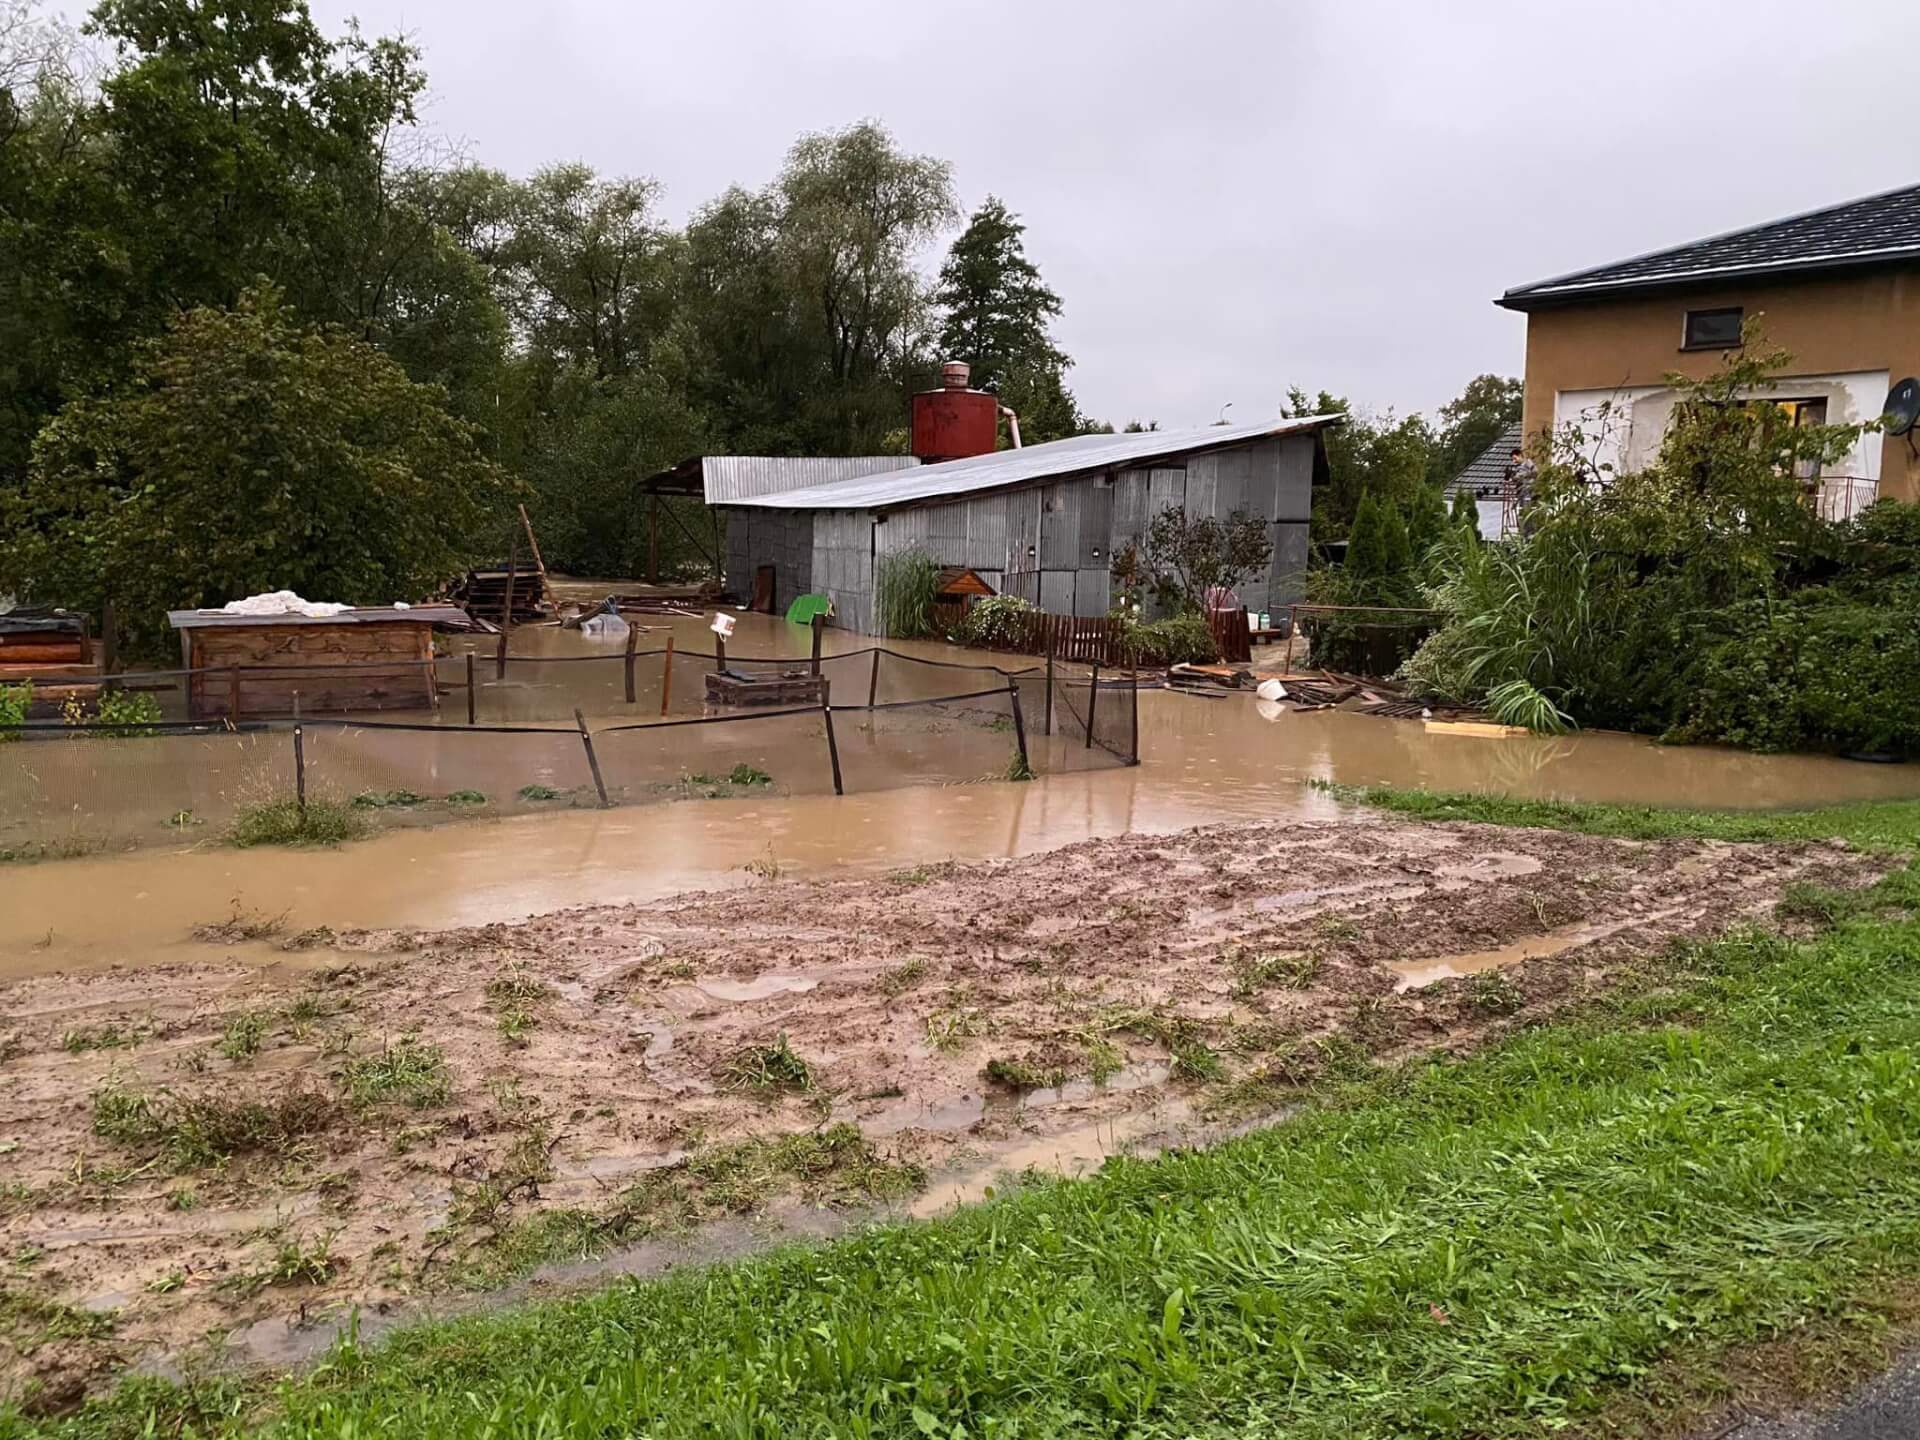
point(1712, 329)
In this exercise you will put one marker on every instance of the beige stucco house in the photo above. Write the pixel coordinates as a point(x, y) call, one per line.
point(1838, 288)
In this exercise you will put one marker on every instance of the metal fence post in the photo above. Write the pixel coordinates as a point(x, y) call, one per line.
point(833, 746)
point(593, 760)
point(1093, 701)
point(472, 702)
point(819, 628)
point(1019, 725)
point(666, 679)
point(633, 639)
point(500, 658)
point(873, 681)
point(1047, 724)
point(1133, 722)
point(300, 769)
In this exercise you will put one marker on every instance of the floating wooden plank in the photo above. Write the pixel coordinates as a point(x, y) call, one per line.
point(1484, 729)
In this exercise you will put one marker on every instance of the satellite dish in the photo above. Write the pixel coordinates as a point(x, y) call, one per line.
point(1902, 410)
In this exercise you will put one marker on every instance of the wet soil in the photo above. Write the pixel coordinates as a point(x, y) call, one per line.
point(614, 1074)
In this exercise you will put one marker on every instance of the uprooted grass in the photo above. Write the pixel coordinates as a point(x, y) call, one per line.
point(192, 1131)
point(407, 1070)
point(768, 1070)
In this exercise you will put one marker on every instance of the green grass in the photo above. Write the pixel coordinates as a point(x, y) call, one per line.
point(1869, 824)
point(387, 799)
point(769, 1069)
point(286, 822)
point(1718, 1151)
point(406, 1071)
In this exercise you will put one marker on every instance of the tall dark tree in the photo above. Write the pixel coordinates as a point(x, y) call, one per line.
point(1472, 421)
point(996, 314)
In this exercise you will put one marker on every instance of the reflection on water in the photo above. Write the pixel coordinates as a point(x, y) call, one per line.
point(1205, 760)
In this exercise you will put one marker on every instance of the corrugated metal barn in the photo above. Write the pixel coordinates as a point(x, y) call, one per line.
point(1041, 522)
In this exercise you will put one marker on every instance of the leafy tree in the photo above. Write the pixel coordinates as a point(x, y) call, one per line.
point(1471, 422)
point(1426, 521)
point(1379, 455)
point(247, 452)
point(1466, 511)
point(1183, 557)
point(997, 311)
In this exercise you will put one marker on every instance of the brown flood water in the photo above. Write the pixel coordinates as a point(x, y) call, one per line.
point(1204, 760)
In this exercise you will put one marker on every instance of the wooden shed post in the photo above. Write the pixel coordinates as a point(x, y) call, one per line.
point(633, 641)
point(819, 626)
point(666, 679)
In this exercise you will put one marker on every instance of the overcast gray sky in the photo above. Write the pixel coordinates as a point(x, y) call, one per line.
point(1229, 198)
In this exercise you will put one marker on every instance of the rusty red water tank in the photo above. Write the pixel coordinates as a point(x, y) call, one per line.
point(954, 422)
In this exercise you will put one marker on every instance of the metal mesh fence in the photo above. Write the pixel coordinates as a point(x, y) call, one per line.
point(894, 720)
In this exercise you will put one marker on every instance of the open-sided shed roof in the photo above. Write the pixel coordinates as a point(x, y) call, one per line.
point(728, 479)
point(1056, 460)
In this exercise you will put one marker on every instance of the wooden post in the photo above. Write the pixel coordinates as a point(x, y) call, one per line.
point(873, 681)
point(819, 626)
point(1047, 724)
point(633, 641)
point(532, 544)
point(300, 768)
point(720, 652)
point(1093, 699)
point(833, 746)
point(233, 693)
point(1019, 724)
point(593, 760)
point(666, 679)
point(500, 657)
point(472, 700)
point(513, 574)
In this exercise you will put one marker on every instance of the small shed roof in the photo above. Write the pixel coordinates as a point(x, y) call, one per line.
point(1487, 471)
point(1877, 230)
point(1058, 459)
point(451, 615)
point(958, 580)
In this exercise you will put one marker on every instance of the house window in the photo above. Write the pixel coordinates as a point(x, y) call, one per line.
point(1712, 329)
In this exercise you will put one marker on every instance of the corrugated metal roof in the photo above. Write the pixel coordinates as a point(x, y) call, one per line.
point(1874, 230)
point(1488, 470)
point(1081, 455)
point(369, 615)
point(732, 478)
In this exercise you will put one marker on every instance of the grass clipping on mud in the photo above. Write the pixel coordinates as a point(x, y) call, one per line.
point(1710, 1153)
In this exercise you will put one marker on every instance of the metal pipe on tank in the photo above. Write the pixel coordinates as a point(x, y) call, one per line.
point(1013, 424)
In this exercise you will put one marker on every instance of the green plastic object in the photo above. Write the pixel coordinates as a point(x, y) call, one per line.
point(805, 607)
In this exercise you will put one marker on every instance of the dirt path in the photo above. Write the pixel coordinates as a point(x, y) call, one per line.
point(381, 1118)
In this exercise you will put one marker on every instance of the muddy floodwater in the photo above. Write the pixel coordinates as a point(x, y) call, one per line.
point(1203, 760)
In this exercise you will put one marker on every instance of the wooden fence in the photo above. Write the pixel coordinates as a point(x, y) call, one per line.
point(1093, 639)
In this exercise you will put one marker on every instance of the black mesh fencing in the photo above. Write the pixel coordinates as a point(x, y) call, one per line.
point(876, 720)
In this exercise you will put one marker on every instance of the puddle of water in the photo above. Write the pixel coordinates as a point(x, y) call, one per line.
point(1077, 1092)
point(1205, 761)
point(1494, 865)
point(1412, 974)
point(1072, 1152)
point(762, 987)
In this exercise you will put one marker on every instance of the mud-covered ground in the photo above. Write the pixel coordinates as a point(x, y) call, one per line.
point(227, 1157)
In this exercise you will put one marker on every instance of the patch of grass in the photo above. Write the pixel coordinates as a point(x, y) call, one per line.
point(30, 1321)
point(902, 977)
point(68, 847)
point(97, 1037)
point(1871, 825)
point(1803, 900)
point(407, 1071)
point(515, 986)
point(466, 797)
point(242, 924)
point(1019, 1074)
point(1492, 992)
point(950, 1030)
point(1018, 768)
point(292, 1261)
point(766, 868)
point(286, 822)
point(540, 792)
point(745, 774)
point(1104, 1059)
point(191, 1131)
point(241, 1036)
point(914, 875)
point(1287, 970)
point(387, 800)
point(769, 1069)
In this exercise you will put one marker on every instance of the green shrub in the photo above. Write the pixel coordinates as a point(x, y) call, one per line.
point(997, 621)
point(286, 822)
point(905, 583)
point(1177, 640)
point(15, 700)
point(127, 714)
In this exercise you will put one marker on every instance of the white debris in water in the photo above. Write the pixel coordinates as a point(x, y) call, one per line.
point(282, 602)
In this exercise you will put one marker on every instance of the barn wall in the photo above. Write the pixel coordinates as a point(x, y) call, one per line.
point(843, 542)
point(780, 538)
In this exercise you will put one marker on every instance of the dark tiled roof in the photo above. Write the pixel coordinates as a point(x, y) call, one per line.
point(1487, 472)
point(1875, 230)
